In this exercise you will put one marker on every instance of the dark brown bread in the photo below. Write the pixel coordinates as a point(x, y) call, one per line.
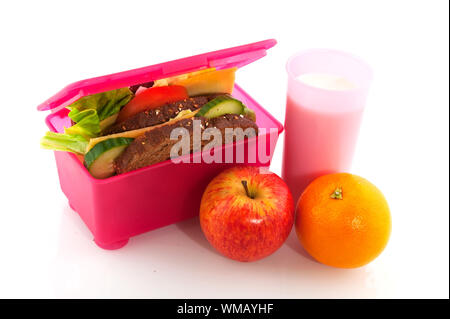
point(157, 116)
point(134, 88)
point(155, 145)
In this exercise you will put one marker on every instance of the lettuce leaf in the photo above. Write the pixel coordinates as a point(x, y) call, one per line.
point(86, 113)
point(64, 142)
point(106, 103)
point(87, 123)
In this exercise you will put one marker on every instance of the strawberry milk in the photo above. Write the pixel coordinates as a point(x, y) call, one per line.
point(325, 103)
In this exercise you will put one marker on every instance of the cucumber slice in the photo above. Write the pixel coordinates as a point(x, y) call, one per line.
point(99, 160)
point(220, 106)
point(250, 114)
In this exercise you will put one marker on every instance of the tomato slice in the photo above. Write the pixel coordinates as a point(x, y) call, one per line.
point(152, 98)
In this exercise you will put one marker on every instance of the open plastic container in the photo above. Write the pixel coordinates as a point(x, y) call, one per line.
point(122, 206)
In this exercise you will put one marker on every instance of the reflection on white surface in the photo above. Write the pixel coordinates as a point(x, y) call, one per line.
point(178, 262)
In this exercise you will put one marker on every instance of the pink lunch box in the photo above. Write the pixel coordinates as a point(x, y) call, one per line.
point(122, 206)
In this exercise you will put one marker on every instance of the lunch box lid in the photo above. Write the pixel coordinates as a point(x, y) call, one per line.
point(221, 59)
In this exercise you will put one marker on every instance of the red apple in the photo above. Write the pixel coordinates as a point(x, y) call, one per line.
point(245, 214)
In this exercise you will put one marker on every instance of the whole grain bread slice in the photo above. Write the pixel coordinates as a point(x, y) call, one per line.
point(155, 145)
point(158, 115)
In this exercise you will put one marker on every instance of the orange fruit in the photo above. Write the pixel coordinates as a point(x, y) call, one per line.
point(343, 220)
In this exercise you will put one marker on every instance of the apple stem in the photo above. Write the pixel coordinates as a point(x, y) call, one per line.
point(244, 183)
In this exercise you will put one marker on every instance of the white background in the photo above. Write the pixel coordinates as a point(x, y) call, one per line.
point(46, 251)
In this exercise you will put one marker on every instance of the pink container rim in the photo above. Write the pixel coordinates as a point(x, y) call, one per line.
point(279, 128)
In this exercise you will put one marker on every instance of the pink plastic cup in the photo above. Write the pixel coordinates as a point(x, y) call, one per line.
point(321, 125)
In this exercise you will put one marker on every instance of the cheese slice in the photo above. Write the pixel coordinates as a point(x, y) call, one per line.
point(169, 81)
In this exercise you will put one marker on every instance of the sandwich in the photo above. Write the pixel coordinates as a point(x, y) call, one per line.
point(126, 129)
